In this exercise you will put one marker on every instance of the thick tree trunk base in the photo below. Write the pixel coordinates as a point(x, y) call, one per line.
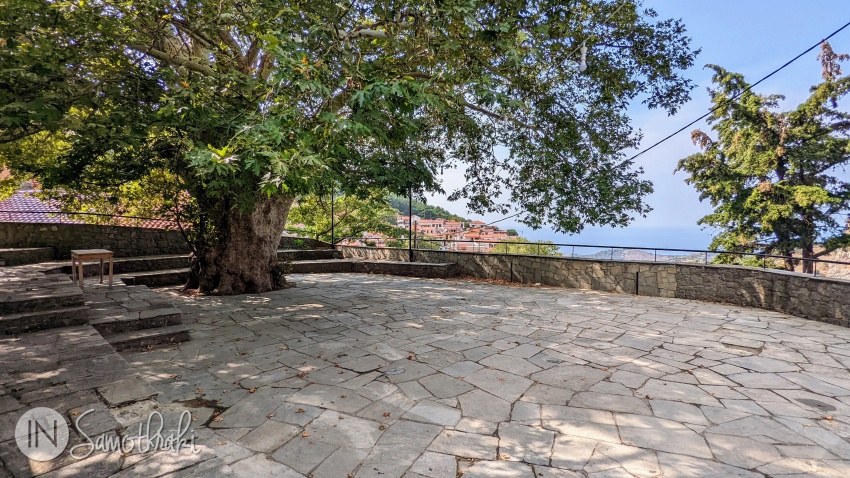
point(245, 261)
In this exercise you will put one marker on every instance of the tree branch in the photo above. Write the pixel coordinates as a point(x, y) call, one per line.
point(362, 33)
point(483, 111)
point(266, 64)
point(195, 34)
point(251, 57)
point(172, 60)
point(499, 117)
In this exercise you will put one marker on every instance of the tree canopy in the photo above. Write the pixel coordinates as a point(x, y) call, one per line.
point(401, 204)
point(247, 105)
point(352, 217)
point(773, 176)
point(521, 245)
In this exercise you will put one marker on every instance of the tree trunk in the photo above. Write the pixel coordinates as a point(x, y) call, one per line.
point(243, 257)
point(808, 252)
point(789, 262)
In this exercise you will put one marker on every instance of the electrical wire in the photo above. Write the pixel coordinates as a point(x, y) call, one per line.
point(683, 128)
point(721, 105)
point(504, 218)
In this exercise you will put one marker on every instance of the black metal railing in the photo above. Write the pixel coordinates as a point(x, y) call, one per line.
point(604, 252)
point(495, 246)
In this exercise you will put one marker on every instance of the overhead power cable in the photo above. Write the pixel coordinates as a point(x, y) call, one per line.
point(683, 128)
point(504, 218)
point(734, 97)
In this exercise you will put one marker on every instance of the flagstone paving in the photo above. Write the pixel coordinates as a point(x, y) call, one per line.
point(377, 376)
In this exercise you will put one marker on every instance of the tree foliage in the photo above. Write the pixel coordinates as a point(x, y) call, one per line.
point(402, 205)
point(521, 245)
point(352, 215)
point(249, 105)
point(773, 176)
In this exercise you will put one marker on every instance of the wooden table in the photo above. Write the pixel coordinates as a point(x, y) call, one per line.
point(77, 258)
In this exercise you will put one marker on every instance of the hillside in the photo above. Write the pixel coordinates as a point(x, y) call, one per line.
point(837, 271)
point(422, 210)
point(642, 255)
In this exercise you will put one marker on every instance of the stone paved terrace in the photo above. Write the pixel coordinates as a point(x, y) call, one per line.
point(380, 376)
point(386, 376)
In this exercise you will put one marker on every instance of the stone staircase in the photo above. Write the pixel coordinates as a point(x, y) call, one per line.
point(31, 300)
point(127, 265)
point(130, 315)
point(308, 261)
point(162, 277)
point(26, 255)
point(134, 317)
point(42, 296)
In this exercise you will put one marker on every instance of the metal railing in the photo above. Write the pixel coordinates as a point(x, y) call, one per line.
point(704, 256)
point(502, 247)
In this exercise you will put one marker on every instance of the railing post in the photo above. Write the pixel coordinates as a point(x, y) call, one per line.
point(538, 248)
point(333, 223)
point(574, 252)
point(655, 259)
point(814, 268)
point(706, 257)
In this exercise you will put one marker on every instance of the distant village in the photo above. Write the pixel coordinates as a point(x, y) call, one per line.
point(474, 236)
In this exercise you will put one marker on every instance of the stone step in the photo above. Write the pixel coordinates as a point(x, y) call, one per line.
point(413, 269)
point(321, 266)
point(125, 265)
point(133, 321)
point(142, 339)
point(290, 255)
point(397, 268)
point(160, 278)
point(42, 320)
point(18, 297)
point(26, 255)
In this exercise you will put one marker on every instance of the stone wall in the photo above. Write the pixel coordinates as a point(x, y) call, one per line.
point(123, 241)
point(31, 255)
point(291, 242)
point(817, 298)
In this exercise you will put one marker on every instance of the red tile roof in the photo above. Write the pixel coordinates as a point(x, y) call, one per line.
point(24, 207)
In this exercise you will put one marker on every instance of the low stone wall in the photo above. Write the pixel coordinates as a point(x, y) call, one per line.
point(123, 241)
point(396, 268)
point(816, 298)
point(32, 255)
point(291, 242)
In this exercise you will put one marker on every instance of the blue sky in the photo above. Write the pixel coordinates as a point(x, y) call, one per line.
point(752, 37)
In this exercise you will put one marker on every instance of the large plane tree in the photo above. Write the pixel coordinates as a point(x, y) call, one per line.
point(245, 105)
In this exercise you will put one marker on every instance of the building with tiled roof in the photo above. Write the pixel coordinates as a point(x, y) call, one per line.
point(24, 206)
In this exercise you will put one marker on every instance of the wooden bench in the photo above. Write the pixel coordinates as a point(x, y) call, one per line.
point(77, 258)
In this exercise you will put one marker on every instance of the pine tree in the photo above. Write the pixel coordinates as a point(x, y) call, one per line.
point(773, 176)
